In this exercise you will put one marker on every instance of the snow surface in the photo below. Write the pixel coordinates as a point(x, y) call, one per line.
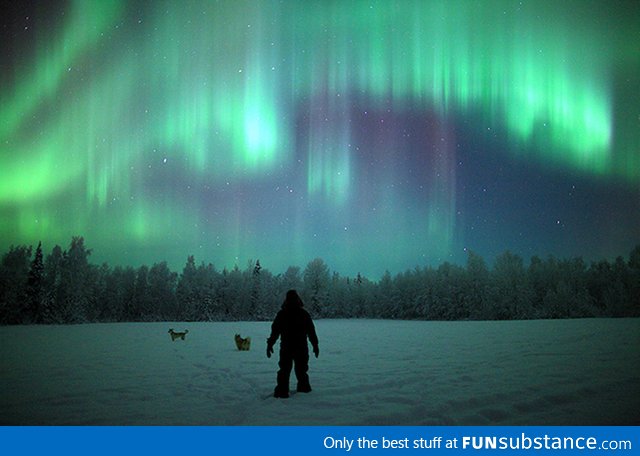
point(370, 372)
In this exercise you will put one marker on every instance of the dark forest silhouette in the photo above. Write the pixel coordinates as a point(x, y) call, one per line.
point(64, 287)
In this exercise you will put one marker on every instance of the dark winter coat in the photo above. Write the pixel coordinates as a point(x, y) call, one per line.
point(293, 325)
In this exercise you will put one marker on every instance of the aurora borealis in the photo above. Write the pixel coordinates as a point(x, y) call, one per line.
point(373, 134)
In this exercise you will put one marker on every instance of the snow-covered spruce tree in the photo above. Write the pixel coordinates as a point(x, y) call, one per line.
point(75, 281)
point(162, 290)
point(477, 283)
point(358, 297)
point(51, 312)
point(99, 310)
point(221, 301)
point(457, 292)
point(195, 292)
point(409, 287)
point(291, 279)
point(428, 305)
point(218, 307)
point(186, 291)
point(261, 293)
point(14, 272)
point(272, 293)
point(316, 286)
point(111, 306)
point(276, 288)
point(617, 294)
point(35, 288)
point(251, 290)
point(510, 292)
point(386, 299)
point(127, 294)
point(338, 297)
point(118, 294)
point(207, 279)
point(144, 308)
point(574, 273)
point(244, 308)
point(542, 276)
point(233, 296)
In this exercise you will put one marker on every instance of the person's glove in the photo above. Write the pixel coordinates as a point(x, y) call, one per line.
point(316, 351)
point(269, 350)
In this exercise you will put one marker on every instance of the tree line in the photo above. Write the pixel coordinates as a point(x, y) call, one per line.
point(64, 287)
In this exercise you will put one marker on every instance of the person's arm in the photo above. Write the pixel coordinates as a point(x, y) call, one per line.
point(275, 333)
point(313, 337)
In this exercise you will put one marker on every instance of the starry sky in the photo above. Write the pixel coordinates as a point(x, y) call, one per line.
point(377, 135)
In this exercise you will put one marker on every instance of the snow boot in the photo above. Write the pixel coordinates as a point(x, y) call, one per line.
point(281, 393)
point(303, 388)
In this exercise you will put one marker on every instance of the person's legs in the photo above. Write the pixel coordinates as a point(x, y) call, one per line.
point(301, 369)
point(285, 363)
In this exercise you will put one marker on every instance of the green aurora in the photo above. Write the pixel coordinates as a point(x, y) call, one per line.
point(234, 129)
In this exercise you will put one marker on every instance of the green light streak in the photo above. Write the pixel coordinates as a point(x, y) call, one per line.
point(544, 85)
point(87, 23)
point(329, 166)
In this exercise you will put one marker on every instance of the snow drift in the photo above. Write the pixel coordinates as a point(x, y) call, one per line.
point(370, 372)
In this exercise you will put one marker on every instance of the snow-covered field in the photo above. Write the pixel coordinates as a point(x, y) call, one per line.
point(370, 372)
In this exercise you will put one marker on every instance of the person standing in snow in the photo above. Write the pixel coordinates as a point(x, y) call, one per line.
point(293, 325)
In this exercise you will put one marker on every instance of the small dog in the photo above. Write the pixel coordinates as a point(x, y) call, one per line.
point(177, 335)
point(243, 344)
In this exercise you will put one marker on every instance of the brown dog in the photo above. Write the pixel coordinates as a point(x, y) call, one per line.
point(243, 344)
point(177, 335)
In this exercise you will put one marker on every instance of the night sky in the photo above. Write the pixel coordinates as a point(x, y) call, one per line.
point(376, 135)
